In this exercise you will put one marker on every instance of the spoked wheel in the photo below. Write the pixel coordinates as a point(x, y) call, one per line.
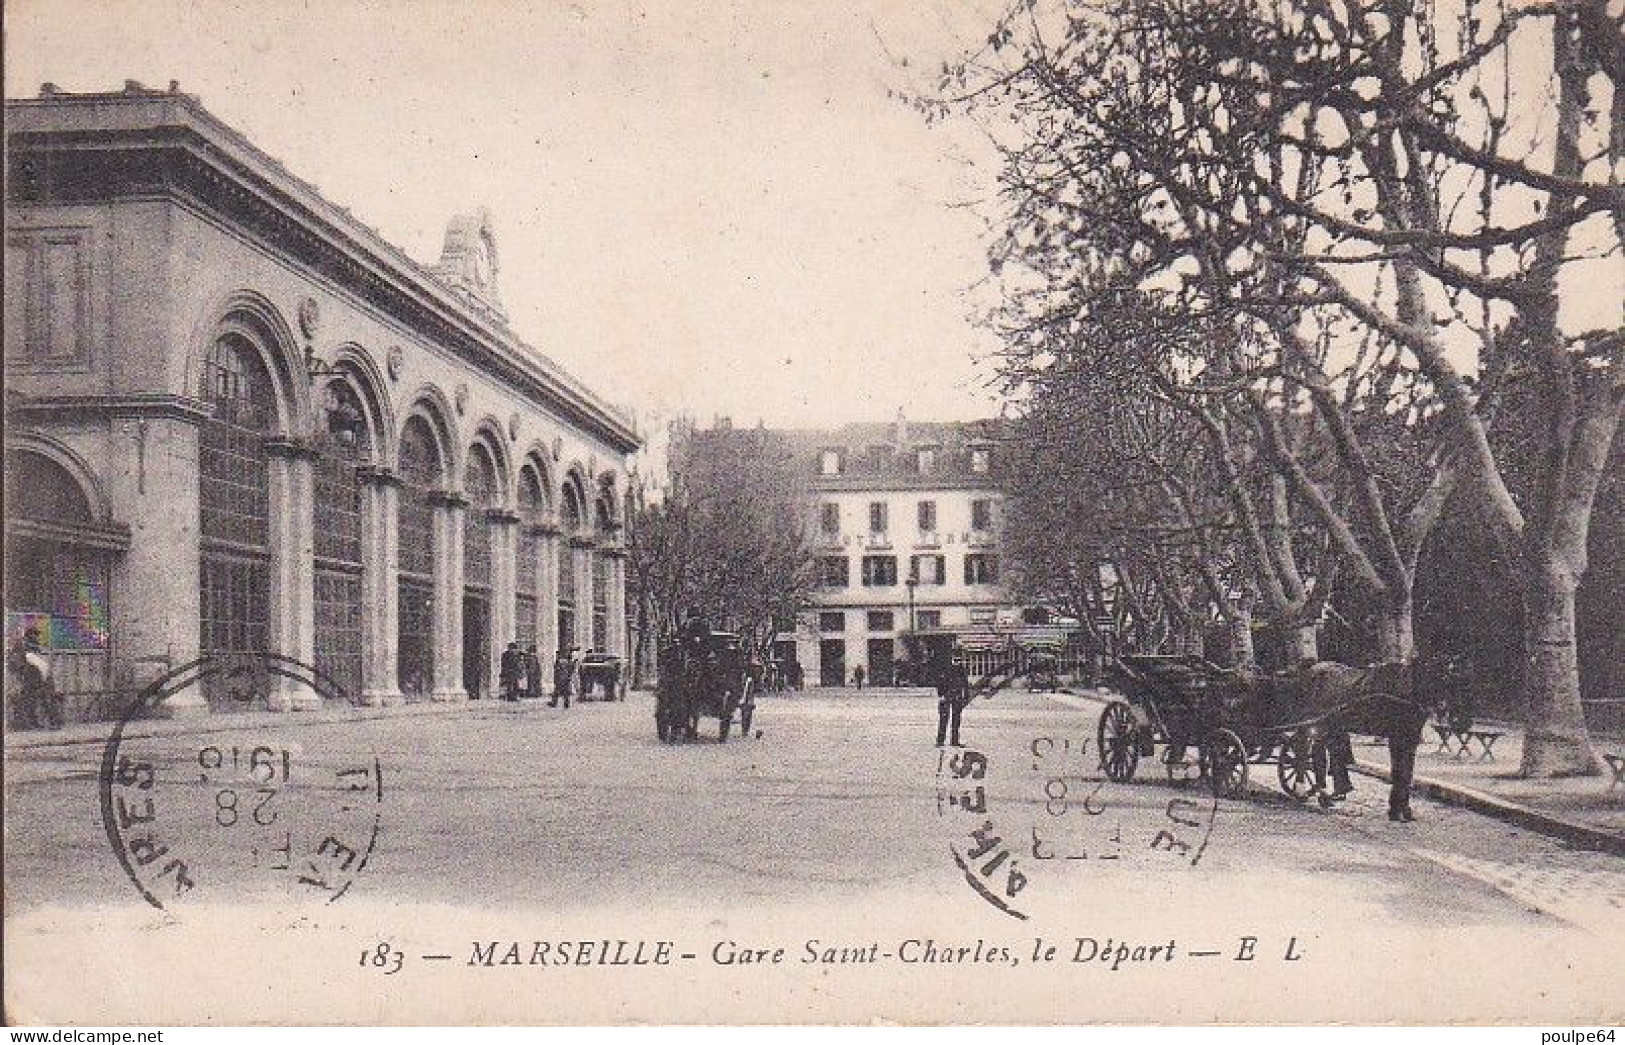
point(1225, 759)
point(1301, 765)
point(1119, 746)
point(1184, 770)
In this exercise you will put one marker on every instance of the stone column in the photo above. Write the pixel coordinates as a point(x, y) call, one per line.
point(504, 584)
point(293, 569)
point(448, 596)
point(152, 484)
point(380, 587)
point(547, 599)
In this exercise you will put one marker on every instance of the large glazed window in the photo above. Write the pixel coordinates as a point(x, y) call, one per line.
point(420, 474)
point(342, 445)
point(234, 494)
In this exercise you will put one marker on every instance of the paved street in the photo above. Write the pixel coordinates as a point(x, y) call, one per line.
point(840, 823)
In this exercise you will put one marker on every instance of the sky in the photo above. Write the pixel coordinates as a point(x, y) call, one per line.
point(713, 209)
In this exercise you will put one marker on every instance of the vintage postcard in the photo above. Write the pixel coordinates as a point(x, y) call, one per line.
point(1031, 512)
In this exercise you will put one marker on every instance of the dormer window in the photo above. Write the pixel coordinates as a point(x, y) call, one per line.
point(829, 462)
point(925, 459)
point(980, 458)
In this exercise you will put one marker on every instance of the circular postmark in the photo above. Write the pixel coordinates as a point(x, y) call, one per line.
point(240, 806)
point(1043, 801)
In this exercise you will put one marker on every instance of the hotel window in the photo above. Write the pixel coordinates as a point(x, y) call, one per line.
point(927, 513)
point(832, 621)
point(981, 569)
point(877, 517)
point(983, 615)
point(928, 569)
point(829, 518)
point(881, 620)
point(832, 571)
point(829, 462)
point(980, 458)
point(930, 620)
point(879, 571)
point(925, 459)
point(981, 515)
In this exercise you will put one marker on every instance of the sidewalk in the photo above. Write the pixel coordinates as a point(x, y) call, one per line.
point(1580, 810)
point(220, 722)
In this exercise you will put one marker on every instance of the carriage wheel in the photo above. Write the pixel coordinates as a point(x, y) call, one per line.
point(1225, 759)
point(1298, 765)
point(1119, 747)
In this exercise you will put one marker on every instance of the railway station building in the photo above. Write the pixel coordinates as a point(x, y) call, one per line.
point(239, 421)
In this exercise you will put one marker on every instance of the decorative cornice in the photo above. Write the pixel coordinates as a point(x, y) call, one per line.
point(169, 146)
point(292, 449)
point(447, 499)
point(148, 405)
point(106, 536)
point(378, 475)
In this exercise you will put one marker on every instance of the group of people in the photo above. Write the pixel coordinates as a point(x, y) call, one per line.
point(36, 703)
point(520, 676)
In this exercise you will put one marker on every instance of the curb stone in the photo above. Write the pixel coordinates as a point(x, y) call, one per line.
point(1582, 835)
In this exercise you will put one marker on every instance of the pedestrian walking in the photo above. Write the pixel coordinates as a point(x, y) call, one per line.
point(563, 676)
point(858, 676)
point(533, 673)
point(511, 667)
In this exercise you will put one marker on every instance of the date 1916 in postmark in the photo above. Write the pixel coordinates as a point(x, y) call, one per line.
point(250, 808)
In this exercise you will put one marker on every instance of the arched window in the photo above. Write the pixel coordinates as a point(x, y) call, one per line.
point(234, 493)
point(57, 571)
point(421, 474)
point(480, 486)
point(527, 587)
point(342, 442)
point(571, 519)
point(602, 574)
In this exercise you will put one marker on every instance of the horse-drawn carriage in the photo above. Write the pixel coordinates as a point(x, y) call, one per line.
point(1296, 721)
point(703, 674)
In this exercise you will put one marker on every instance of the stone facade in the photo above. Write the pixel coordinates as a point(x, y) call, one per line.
point(142, 235)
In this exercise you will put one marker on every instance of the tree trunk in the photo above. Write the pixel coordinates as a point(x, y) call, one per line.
point(1239, 626)
point(1555, 739)
point(1396, 638)
point(1302, 644)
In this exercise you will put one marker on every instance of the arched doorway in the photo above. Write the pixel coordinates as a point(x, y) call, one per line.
point(421, 473)
point(234, 502)
point(343, 444)
point(59, 558)
point(480, 486)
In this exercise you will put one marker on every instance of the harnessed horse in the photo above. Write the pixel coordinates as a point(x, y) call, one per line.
point(1379, 701)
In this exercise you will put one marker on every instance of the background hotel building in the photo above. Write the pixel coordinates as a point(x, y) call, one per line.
point(905, 524)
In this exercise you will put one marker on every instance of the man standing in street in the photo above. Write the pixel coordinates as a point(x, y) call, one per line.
point(953, 693)
point(512, 662)
point(563, 672)
point(533, 673)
